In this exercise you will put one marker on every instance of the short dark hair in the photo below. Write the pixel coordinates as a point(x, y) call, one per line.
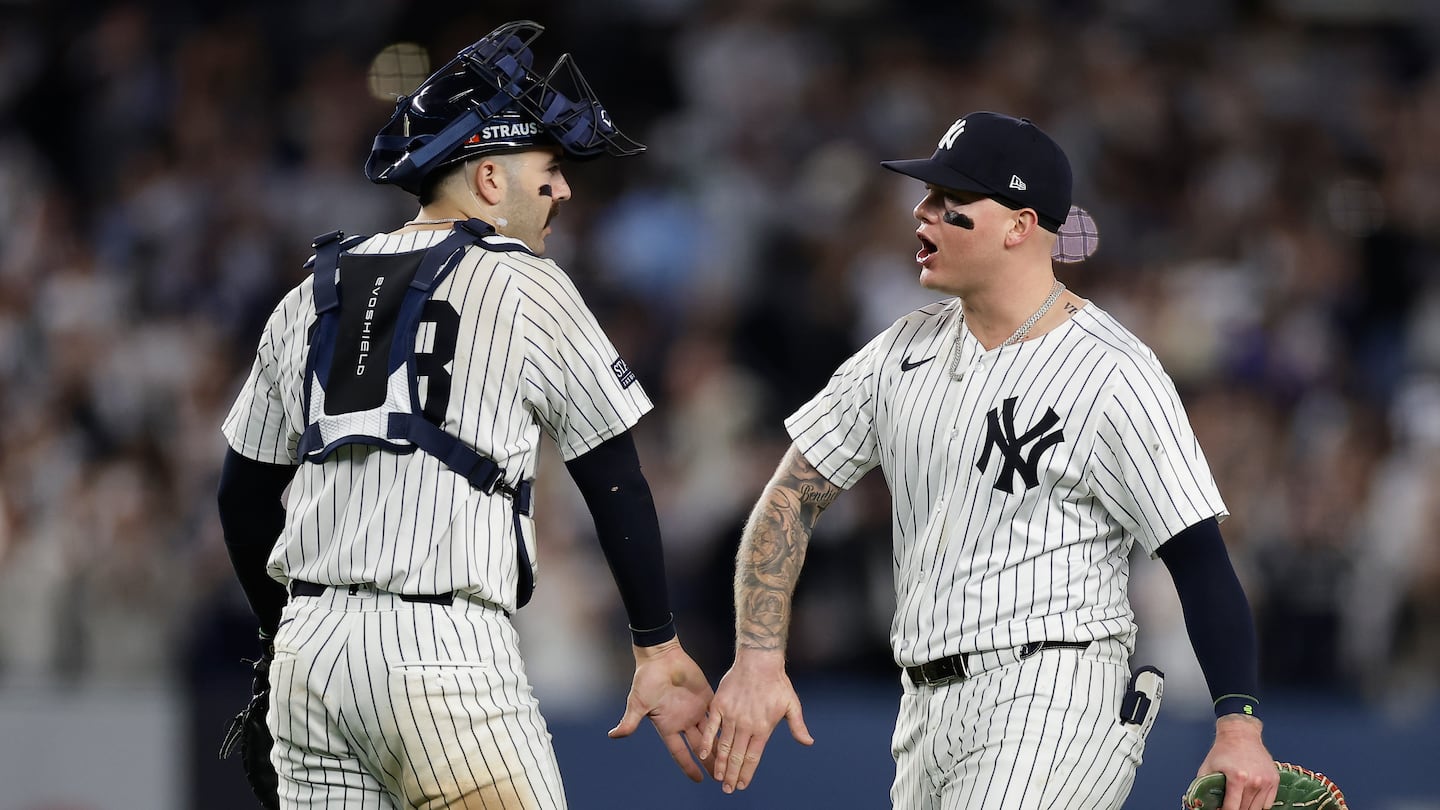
point(430, 185)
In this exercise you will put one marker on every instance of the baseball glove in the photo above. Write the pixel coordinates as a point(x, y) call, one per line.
point(1299, 787)
point(249, 734)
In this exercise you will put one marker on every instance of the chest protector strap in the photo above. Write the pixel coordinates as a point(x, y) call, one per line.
point(362, 384)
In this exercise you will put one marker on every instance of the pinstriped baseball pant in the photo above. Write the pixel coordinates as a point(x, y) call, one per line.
point(382, 704)
point(1038, 733)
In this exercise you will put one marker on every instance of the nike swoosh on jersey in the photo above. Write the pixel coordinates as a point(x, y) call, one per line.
point(906, 365)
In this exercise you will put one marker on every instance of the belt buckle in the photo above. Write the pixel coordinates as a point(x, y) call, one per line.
point(944, 670)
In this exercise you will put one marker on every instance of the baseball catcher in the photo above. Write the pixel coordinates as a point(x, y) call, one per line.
point(379, 510)
point(1299, 787)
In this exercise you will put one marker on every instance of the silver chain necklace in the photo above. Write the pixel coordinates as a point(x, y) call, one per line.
point(1019, 335)
point(433, 221)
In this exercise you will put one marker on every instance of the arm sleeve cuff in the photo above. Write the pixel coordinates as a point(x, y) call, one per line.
point(658, 635)
point(1248, 705)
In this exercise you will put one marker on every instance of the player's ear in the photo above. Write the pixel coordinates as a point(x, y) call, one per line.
point(1024, 223)
point(489, 180)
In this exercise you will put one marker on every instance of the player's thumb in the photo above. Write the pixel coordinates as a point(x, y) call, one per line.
point(628, 723)
point(796, 718)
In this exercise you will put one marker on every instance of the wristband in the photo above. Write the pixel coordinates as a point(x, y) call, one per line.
point(1248, 705)
point(653, 636)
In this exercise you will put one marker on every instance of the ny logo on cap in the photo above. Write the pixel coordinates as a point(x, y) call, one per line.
point(950, 135)
point(1016, 183)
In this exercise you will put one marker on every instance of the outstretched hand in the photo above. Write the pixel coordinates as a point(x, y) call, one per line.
point(670, 689)
point(753, 696)
point(1251, 780)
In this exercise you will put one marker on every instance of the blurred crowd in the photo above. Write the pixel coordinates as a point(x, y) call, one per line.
point(1265, 176)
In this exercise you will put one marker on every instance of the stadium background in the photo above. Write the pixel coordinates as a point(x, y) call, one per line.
point(1266, 176)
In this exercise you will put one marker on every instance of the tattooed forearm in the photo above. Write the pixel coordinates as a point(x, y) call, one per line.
point(772, 550)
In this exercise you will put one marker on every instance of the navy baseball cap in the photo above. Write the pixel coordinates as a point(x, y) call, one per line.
point(1008, 159)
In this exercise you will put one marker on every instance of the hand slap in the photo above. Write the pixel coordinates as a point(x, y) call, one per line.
point(754, 695)
point(670, 689)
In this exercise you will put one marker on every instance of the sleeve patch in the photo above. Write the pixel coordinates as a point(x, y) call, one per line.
point(623, 373)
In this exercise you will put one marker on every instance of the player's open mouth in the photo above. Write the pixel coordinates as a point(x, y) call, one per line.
point(927, 249)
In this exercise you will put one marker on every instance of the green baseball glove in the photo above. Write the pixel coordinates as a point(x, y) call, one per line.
point(1299, 787)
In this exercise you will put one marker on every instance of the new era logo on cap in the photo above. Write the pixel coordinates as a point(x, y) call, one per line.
point(1016, 183)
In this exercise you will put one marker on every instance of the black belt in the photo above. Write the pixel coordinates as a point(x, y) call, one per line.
point(299, 587)
point(956, 667)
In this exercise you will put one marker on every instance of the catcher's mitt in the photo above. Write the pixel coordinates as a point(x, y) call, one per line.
point(1299, 787)
point(249, 733)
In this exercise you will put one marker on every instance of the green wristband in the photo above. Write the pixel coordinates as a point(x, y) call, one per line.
point(1248, 705)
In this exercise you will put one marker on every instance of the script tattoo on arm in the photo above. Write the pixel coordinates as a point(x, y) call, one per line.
point(772, 550)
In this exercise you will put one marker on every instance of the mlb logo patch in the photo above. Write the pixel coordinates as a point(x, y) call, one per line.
point(623, 373)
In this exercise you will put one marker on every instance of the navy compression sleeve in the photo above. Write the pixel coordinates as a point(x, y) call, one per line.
point(1217, 616)
point(619, 499)
point(251, 517)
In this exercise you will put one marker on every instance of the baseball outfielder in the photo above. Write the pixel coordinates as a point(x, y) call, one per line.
point(1029, 441)
point(400, 393)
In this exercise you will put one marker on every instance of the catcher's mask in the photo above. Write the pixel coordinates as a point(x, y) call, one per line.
point(490, 99)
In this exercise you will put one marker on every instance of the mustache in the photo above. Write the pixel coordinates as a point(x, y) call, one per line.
point(554, 212)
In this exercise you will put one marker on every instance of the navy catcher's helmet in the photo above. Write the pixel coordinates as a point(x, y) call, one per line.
point(489, 99)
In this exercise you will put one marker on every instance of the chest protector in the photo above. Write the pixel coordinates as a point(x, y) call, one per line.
point(362, 374)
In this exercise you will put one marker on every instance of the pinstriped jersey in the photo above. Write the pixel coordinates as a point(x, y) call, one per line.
point(1020, 477)
point(508, 336)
